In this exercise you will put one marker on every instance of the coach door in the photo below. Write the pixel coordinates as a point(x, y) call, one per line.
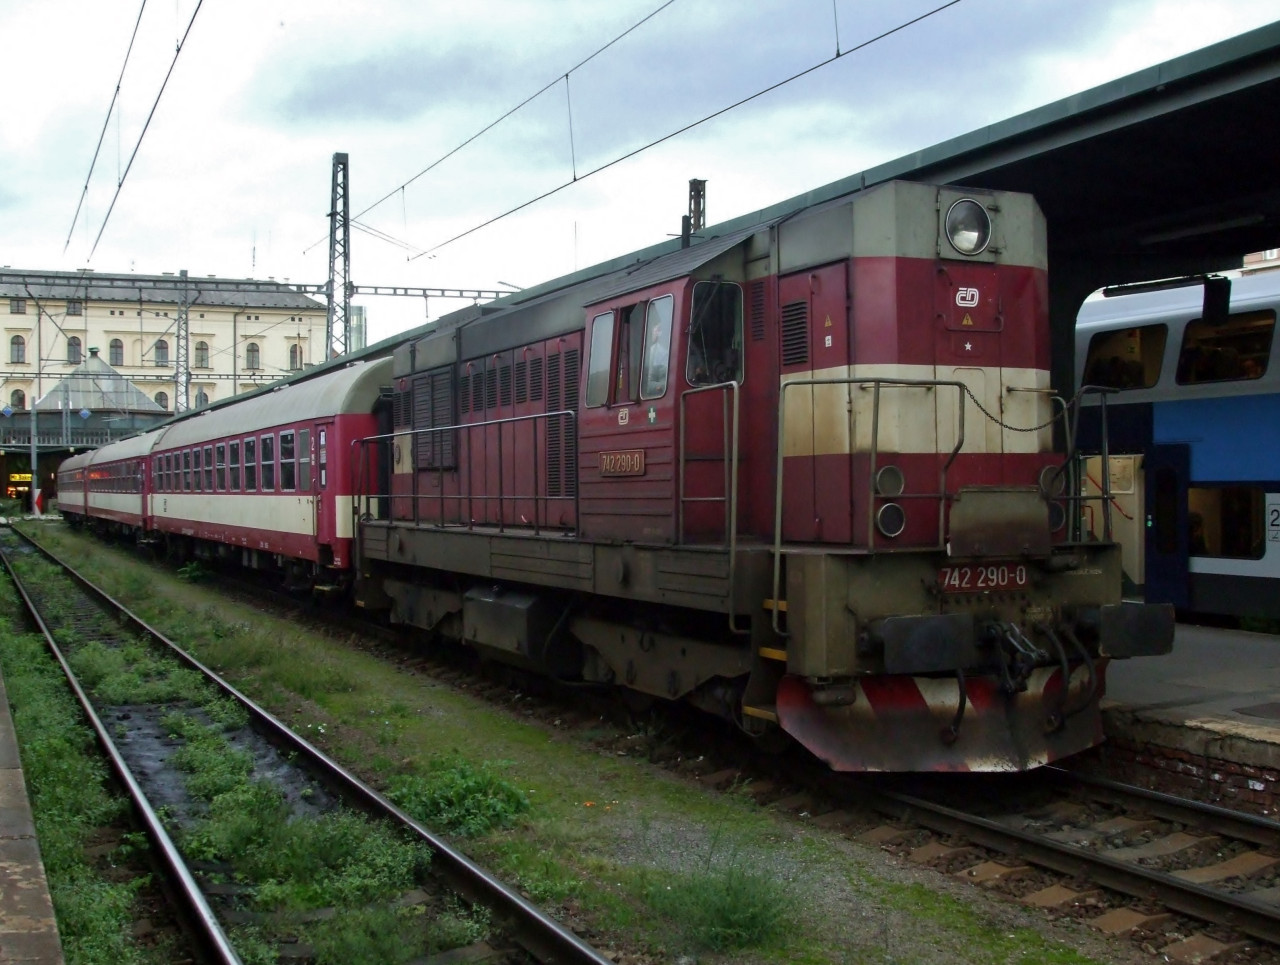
point(1168, 525)
point(321, 482)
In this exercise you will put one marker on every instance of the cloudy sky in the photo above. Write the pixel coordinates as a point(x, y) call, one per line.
point(232, 176)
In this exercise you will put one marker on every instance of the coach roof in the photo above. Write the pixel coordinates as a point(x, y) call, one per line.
point(352, 389)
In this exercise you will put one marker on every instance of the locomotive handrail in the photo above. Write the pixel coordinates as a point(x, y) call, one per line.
point(1104, 489)
point(875, 384)
point(730, 390)
point(466, 442)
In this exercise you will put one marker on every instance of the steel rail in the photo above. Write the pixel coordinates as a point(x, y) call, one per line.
point(1251, 917)
point(200, 915)
point(1207, 817)
point(541, 936)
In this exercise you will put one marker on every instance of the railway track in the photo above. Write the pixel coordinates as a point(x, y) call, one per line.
point(214, 896)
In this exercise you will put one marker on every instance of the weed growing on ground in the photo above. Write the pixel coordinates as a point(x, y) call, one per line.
point(724, 906)
point(457, 797)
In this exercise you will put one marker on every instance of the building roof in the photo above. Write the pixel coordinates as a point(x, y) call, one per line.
point(95, 386)
point(164, 289)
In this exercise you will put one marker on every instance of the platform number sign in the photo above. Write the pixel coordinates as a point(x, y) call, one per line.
point(1273, 520)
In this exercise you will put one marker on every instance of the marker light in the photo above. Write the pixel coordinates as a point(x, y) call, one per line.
point(891, 520)
point(968, 227)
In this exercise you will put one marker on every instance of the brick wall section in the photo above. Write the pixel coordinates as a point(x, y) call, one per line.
point(1234, 767)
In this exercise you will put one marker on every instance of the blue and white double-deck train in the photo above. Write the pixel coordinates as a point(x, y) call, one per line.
point(1194, 435)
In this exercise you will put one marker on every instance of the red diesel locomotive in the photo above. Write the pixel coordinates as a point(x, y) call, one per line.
point(801, 475)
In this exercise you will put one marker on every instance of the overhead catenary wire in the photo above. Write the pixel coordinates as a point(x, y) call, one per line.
point(169, 73)
point(106, 123)
point(498, 120)
point(688, 127)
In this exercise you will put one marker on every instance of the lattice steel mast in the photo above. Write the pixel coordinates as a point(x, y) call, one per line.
point(338, 325)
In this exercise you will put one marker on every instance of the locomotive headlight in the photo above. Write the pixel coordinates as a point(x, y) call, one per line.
point(968, 227)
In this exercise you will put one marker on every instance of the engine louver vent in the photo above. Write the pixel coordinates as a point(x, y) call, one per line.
point(755, 308)
point(795, 333)
point(522, 382)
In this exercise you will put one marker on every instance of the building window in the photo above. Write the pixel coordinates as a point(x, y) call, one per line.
point(17, 306)
point(295, 357)
point(18, 399)
point(116, 352)
point(162, 352)
point(202, 397)
point(75, 354)
point(252, 356)
point(202, 355)
point(75, 306)
point(17, 349)
point(162, 400)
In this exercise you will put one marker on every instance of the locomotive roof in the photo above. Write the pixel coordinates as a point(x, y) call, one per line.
point(486, 329)
point(353, 388)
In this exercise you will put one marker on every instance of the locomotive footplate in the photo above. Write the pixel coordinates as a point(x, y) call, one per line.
point(902, 722)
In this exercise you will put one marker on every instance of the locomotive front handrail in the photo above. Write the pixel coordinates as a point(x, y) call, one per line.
point(875, 385)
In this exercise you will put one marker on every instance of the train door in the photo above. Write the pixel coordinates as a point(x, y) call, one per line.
point(326, 509)
point(1168, 535)
point(817, 461)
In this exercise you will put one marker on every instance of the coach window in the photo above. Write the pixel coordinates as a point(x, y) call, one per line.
point(715, 334)
point(208, 469)
point(1227, 521)
point(1127, 359)
point(186, 470)
point(250, 465)
point(304, 460)
point(220, 451)
point(235, 466)
point(195, 461)
point(1232, 351)
point(323, 445)
point(268, 464)
point(287, 464)
point(601, 362)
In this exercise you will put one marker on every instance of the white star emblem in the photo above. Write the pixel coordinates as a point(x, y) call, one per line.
point(968, 346)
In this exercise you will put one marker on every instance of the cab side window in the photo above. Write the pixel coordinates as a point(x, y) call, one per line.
point(715, 334)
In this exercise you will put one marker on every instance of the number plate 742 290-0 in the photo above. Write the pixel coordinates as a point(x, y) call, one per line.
point(983, 577)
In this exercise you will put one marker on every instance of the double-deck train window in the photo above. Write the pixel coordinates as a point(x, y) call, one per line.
point(287, 462)
point(268, 464)
point(1233, 350)
point(221, 450)
point(235, 466)
point(250, 465)
point(1126, 359)
point(1227, 521)
point(715, 334)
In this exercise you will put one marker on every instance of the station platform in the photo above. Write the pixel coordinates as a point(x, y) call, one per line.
point(1204, 719)
point(28, 930)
